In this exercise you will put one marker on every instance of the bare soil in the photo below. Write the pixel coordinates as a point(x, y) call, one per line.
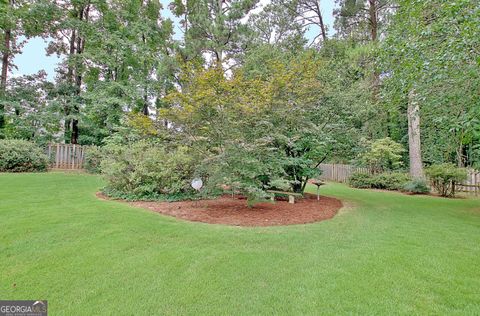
point(234, 211)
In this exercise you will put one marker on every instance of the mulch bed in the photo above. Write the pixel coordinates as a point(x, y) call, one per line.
point(234, 211)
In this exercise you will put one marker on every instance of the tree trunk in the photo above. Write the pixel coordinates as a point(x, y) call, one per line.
point(372, 10)
point(298, 187)
point(145, 103)
point(320, 20)
point(75, 133)
point(220, 40)
point(3, 81)
point(82, 15)
point(145, 110)
point(71, 53)
point(414, 144)
point(5, 59)
point(70, 78)
point(373, 22)
point(78, 86)
point(461, 156)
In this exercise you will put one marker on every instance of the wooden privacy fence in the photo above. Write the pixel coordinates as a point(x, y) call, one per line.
point(66, 156)
point(341, 173)
point(472, 184)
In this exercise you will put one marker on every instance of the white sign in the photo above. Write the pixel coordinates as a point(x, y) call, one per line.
point(197, 184)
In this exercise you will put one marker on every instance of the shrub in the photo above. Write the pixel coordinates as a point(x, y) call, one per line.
point(416, 186)
point(443, 177)
point(360, 180)
point(93, 158)
point(21, 156)
point(390, 181)
point(144, 170)
point(387, 181)
point(382, 155)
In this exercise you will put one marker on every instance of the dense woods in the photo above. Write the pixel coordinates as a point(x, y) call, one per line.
point(245, 90)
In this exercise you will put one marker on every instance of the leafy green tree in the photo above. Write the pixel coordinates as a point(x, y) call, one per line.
point(19, 20)
point(31, 110)
point(277, 24)
point(364, 23)
point(69, 37)
point(213, 27)
point(114, 63)
point(431, 66)
point(259, 131)
point(129, 71)
point(363, 20)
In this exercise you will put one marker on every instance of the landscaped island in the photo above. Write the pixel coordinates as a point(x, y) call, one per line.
point(232, 210)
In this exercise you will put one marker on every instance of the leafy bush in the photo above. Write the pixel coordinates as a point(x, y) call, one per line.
point(145, 170)
point(416, 186)
point(360, 180)
point(21, 156)
point(390, 181)
point(386, 181)
point(382, 155)
point(93, 158)
point(443, 177)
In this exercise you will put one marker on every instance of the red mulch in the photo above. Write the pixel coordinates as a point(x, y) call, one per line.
point(234, 211)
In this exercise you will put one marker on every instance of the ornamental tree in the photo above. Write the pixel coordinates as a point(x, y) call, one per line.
point(260, 130)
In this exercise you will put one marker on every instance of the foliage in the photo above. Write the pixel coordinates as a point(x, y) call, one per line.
point(248, 89)
point(382, 155)
point(114, 62)
point(389, 180)
point(21, 156)
point(254, 128)
point(135, 127)
point(92, 159)
point(19, 20)
point(276, 25)
point(363, 20)
point(360, 180)
point(444, 177)
point(213, 27)
point(30, 111)
point(144, 170)
point(386, 181)
point(431, 48)
point(416, 186)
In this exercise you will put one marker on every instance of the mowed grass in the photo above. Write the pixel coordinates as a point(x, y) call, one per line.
point(385, 253)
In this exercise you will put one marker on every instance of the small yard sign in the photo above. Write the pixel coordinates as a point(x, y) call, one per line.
point(197, 184)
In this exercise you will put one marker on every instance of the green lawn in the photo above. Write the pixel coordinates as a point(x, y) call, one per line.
point(386, 253)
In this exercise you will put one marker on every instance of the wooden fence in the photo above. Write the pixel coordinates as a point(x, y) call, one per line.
point(472, 184)
point(341, 173)
point(66, 156)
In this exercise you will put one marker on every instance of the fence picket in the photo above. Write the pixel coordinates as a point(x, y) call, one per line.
point(341, 173)
point(66, 156)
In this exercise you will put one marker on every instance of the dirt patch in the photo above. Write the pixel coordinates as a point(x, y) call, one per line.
point(234, 211)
